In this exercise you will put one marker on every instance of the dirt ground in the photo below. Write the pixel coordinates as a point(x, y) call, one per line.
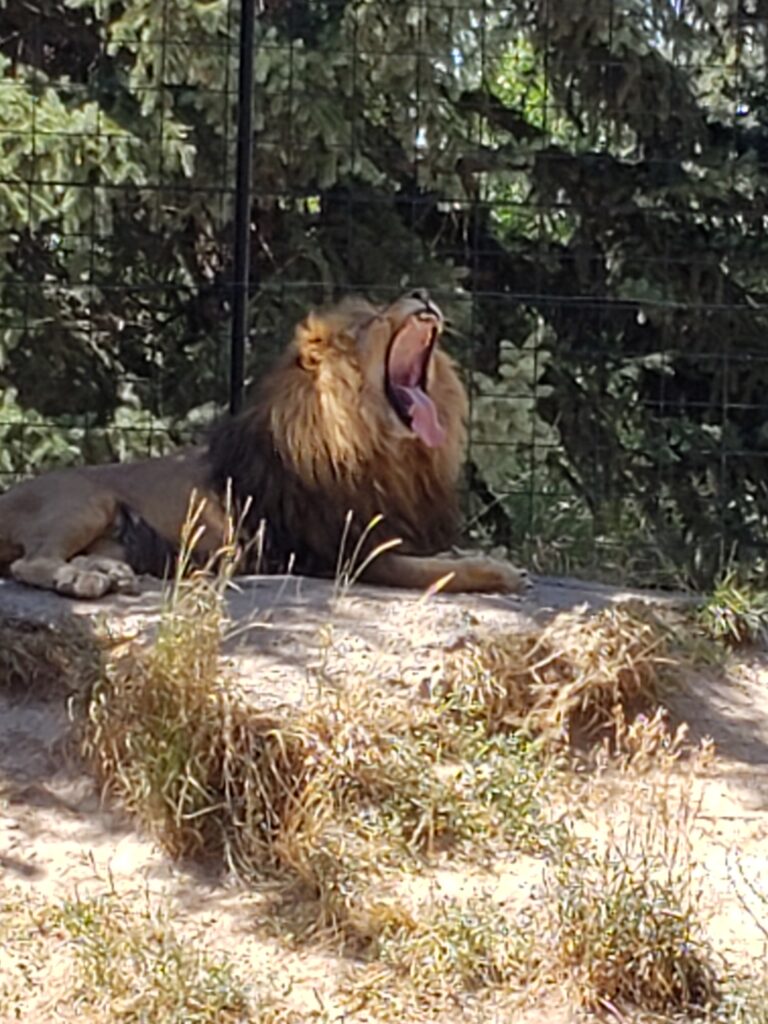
point(57, 840)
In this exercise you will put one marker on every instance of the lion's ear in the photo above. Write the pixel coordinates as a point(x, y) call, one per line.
point(313, 338)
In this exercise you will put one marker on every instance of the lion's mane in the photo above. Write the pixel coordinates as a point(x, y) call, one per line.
point(318, 442)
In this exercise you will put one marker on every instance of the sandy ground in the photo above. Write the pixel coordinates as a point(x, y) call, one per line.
point(56, 840)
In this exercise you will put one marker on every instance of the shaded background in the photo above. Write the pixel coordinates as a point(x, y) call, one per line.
point(581, 185)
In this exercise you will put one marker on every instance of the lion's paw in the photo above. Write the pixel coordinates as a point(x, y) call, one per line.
point(90, 577)
point(488, 575)
point(75, 582)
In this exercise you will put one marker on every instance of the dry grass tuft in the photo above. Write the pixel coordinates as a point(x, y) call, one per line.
point(122, 958)
point(130, 965)
point(625, 934)
point(455, 946)
point(620, 925)
point(168, 734)
point(48, 659)
point(563, 684)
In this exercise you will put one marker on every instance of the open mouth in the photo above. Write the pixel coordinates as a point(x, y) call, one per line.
point(407, 366)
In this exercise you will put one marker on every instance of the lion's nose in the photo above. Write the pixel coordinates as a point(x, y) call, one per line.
point(422, 295)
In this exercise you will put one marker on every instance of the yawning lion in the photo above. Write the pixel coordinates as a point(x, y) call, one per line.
point(363, 414)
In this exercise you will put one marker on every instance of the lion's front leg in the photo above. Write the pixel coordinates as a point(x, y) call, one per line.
point(467, 574)
point(65, 537)
point(94, 576)
point(85, 576)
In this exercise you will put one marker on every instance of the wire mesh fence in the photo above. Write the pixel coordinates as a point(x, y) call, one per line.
point(581, 186)
point(116, 175)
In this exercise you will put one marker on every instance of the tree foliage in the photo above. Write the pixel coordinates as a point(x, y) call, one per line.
point(582, 185)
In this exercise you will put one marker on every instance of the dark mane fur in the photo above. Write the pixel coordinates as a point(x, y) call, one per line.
point(305, 520)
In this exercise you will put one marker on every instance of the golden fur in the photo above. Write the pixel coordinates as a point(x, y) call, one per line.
point(362, 413)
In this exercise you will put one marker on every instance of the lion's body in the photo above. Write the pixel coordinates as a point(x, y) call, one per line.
point(320, 440)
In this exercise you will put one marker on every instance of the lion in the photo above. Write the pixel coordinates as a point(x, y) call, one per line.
point(356, 438)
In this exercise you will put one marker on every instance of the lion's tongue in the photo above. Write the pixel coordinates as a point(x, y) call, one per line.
point(424, 421)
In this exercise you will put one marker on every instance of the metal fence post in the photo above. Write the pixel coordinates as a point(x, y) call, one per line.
point(242, 223)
